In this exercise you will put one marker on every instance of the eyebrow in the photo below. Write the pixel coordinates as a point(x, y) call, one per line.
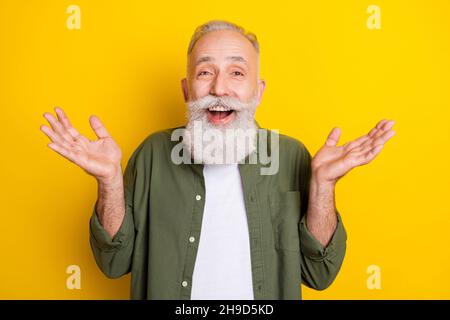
point(209, 59)
point(237, 58)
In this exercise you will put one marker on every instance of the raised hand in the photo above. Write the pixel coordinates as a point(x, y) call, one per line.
point(332, 162)
point(100, 158)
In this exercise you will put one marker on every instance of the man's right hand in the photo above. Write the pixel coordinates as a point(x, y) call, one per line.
point(100, 158)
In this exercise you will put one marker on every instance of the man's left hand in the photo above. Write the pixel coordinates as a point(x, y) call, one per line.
point(332, 162)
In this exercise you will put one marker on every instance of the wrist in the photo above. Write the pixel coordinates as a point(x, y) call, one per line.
point(319, 181)
point(114, 179)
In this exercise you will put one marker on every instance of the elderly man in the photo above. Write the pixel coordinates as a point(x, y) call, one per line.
point(208, 227)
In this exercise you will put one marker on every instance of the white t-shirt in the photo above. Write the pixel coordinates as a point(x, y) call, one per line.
point(223, 266)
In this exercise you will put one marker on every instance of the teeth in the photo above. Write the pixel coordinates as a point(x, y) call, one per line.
point(219, 108)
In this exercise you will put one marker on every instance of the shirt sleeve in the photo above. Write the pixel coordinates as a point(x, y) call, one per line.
point(320, 265)
point(113, 256)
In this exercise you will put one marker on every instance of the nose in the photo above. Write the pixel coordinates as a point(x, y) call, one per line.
point(219, 87)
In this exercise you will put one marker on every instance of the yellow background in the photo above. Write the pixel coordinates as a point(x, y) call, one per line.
point(323, 68)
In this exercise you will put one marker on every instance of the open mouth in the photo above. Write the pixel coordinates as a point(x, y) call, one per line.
point(220, 114)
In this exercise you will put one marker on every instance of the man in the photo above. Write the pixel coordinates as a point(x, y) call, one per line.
point(213, 226)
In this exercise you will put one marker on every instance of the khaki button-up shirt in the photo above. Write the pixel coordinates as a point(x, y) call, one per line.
point(164, 208)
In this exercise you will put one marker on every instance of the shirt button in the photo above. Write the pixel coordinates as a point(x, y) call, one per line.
point(191, 239)
point(198, 197)
point(184, 283)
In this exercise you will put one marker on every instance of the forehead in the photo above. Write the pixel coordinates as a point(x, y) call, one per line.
point(222, 44)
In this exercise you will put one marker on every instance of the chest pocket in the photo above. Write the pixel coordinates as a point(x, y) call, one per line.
point(285, 215)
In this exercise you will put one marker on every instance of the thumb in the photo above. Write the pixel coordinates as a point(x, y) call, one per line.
point(333, 137)
point(98, 127)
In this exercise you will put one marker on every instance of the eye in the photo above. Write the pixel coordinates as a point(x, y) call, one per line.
point(203, 73)
point(237, 73)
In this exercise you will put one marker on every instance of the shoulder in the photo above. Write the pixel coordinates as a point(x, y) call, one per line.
point(290, 146)
point(158, 138)
point(291, 143)
point(158, 142)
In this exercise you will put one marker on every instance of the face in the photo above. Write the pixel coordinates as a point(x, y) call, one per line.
point(223, 74)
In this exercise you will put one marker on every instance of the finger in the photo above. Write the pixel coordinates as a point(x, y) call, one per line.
point(377, 127)
point(55, 137)
point(365, 139)
point(369, 156)
point(356, 143)
point(333, 137)
point(66, 122)
point(364, 158)
point(386, 125)
point(51, 134)
point(363, 149)
point(82, 139)
point(384, 138)
point(65, 152)
point(381, 123)
point(58, 127)
point(68, 126)
point(98, 127)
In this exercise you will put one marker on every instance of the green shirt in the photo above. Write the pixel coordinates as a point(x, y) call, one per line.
point(164, 208)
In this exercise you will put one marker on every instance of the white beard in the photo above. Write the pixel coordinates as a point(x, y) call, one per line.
point(220, 144)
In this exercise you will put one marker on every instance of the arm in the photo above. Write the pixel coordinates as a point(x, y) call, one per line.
point(111, 224)
point(323, 237)
point(321, 218)
point(110, 206)
point(329, 165)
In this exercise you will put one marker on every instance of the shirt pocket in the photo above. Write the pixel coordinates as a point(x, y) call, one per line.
point(285, 216)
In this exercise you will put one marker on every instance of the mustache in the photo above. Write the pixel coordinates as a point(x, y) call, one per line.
point(230, 103)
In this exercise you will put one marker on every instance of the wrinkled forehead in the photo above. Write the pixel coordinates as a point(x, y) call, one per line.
point(224, 46)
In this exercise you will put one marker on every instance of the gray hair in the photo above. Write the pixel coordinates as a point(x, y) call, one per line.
point(216, 25)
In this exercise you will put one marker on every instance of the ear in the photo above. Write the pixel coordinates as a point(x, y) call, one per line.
point(261, 88)
point(184, 89)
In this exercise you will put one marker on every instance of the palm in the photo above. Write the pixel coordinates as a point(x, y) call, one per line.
point(332, 162)
point(97, 157)
point(100, 158)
